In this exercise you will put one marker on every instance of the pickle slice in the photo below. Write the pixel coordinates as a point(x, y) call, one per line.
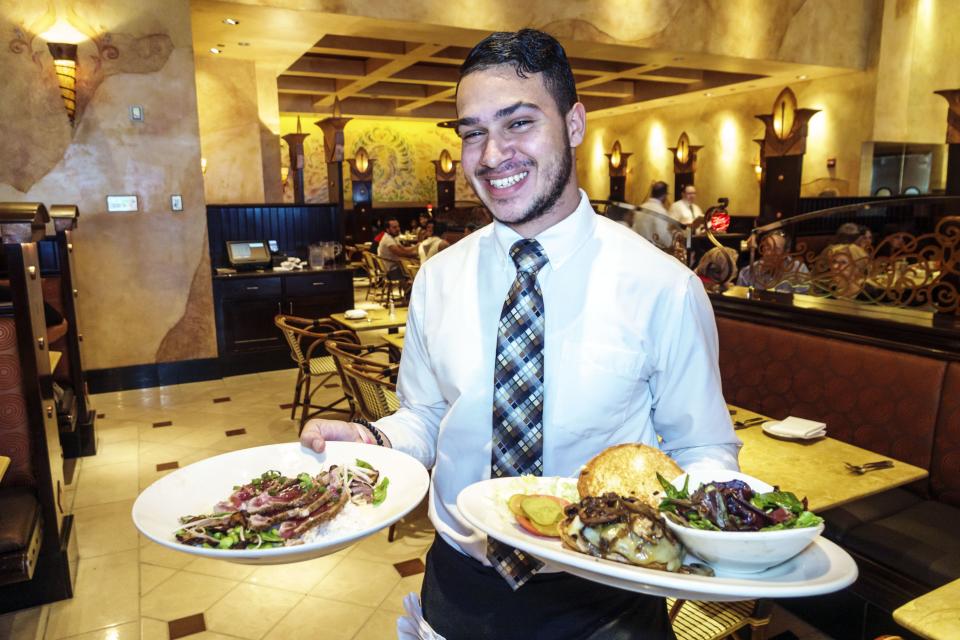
point(514, 504)
point(542, 511)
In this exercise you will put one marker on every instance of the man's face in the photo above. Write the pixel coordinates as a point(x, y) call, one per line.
point(689, 195)
point(393, 228)
point(773, 245)
point(516, 146)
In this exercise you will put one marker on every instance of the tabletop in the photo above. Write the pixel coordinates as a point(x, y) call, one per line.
point(376, 319)
point(394, 339)
point(815, 469)
point(4, 463)
point(934, 615)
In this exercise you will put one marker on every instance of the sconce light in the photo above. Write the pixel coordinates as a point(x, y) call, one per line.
point(446, 162)
point(758, 170)
point(784, 114)
point(65, 63)
point(616, 155)
point(362, 160)
point(683, 149)
point(284, 174)
point(203, 166)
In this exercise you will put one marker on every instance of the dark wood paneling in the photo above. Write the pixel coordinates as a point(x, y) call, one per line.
point(294, 227)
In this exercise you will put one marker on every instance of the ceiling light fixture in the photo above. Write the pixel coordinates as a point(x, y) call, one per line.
point(243, 44)
point(231, 21)
point(708, 94)
point(802, 77)
point(215, 51)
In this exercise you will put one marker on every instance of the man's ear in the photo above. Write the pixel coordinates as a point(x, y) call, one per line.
point(576, 121)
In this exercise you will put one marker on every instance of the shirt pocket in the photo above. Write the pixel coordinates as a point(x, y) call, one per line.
point(597, 383)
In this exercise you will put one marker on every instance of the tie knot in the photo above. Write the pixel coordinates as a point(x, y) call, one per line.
point(528, 255)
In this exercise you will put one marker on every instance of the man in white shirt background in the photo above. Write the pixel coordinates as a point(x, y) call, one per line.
point(652, 221)
point(685, 210)
point(391, 250)
point(602, 378)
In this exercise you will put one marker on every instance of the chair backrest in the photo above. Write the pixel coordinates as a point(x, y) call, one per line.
point(346, 352)
point(304, 336)
point(409, 268)
point(371, 265)
point(376, 394)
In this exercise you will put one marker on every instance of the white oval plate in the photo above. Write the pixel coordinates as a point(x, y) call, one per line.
point(196, 488)
point(355, 314)
point(823, 567)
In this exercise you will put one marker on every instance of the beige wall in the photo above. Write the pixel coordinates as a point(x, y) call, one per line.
point(229, 130)
point(268, 107)
point(919, 50)
point(726, 127)
point(144, 277)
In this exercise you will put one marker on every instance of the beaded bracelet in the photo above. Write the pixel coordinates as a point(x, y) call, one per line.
point(372, 429)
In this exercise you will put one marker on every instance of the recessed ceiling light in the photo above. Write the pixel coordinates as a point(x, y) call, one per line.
point(243, 44)
point(231, 21)
point(708, 94)
point(221, 45)
point(802, 77)
point(214, 50)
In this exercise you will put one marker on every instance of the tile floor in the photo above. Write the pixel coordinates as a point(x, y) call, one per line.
point(128, 587)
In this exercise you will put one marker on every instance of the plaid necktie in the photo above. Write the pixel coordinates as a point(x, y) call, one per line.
point(518, 396)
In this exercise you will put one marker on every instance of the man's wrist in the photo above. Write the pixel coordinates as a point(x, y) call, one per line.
point(366, 429)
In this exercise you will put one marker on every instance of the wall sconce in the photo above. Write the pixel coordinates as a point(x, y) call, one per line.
point(758, 170)
point(362, 160)
point(446, 161)
point(616, 155)
point(784, 114)
point(65, 63)
point(617, 164)
point(284, 174)
point(203, 166)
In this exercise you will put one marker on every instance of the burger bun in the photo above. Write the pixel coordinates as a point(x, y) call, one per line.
point(628, 470)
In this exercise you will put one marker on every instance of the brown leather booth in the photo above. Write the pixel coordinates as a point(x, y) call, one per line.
point(898, 404)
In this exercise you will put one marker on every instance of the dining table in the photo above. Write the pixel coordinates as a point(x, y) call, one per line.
point(816, 468)
point(375, 319)
point(934, 615)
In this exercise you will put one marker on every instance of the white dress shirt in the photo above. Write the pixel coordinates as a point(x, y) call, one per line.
point(658, 229)
point(630, 353)
point(684, 213)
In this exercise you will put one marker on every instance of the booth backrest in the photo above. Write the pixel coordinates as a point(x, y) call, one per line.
point(883, 400)
point(945, 471)
point(14, 426)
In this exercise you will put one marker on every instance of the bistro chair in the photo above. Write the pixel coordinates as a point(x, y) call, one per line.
point(389, 280)
point(315, 368)
point(409, 268)
point(344, 350)
point(696, 620)
point(374, 386)
point(375, 274)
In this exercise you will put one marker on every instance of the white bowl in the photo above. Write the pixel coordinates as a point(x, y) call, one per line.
point(740, 551)
point(355, 314)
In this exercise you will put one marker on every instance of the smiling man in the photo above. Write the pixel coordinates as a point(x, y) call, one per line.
point(535, 343)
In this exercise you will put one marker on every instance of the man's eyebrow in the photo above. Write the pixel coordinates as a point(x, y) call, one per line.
point(502, 113)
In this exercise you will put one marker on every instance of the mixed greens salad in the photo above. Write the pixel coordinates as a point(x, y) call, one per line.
point(734, 506)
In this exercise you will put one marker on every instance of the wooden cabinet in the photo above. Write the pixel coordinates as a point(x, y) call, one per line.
point(246, 306)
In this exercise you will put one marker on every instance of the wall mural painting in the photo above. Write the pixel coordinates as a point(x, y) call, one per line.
point(36, 134)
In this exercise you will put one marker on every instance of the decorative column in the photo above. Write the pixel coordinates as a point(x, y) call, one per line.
point(446, 172)
point(333, 144)
point(784, 143)
point(361, 177)
point(295, 144)
point(952, 96)
point(684, 164)
point(617, 162)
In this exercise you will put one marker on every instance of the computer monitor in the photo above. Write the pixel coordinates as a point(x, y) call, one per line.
point(248, 253)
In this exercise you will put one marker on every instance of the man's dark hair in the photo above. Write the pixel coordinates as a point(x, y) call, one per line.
point(529, 51)
point(439, 228)
point(659, 190)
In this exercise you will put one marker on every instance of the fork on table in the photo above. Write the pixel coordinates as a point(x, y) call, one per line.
point(861, 469)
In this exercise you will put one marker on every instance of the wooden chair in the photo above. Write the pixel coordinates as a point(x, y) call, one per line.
point(390, 280)
point(305, 337)
point(409, 268)
point(376, 392)
point(374, 359)
point(375, 274)
point(695, 620)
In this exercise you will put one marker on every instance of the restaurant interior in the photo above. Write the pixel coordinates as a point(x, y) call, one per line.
point(192, 196)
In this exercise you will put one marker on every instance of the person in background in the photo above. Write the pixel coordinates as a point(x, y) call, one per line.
point(434, 242)
point(717, 268)
point(685, 210)
point(775, 268)
point(853, 233)
point(422, 232)
point(652, 221)
point(513, 364)
point(847, 266)
point(391, 250)
point(469, 228)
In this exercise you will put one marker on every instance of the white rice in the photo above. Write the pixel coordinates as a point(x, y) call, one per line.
point(351, 519)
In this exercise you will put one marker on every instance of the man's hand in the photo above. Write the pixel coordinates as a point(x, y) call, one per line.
point(317, 431)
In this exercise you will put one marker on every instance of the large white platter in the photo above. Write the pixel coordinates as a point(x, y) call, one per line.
point(823, 567)
point(195, 489)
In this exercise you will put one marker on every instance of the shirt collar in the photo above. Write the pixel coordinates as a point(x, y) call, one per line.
point(559, 242)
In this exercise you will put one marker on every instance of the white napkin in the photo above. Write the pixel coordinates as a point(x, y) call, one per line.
point(797, 428)
point(412, 626)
